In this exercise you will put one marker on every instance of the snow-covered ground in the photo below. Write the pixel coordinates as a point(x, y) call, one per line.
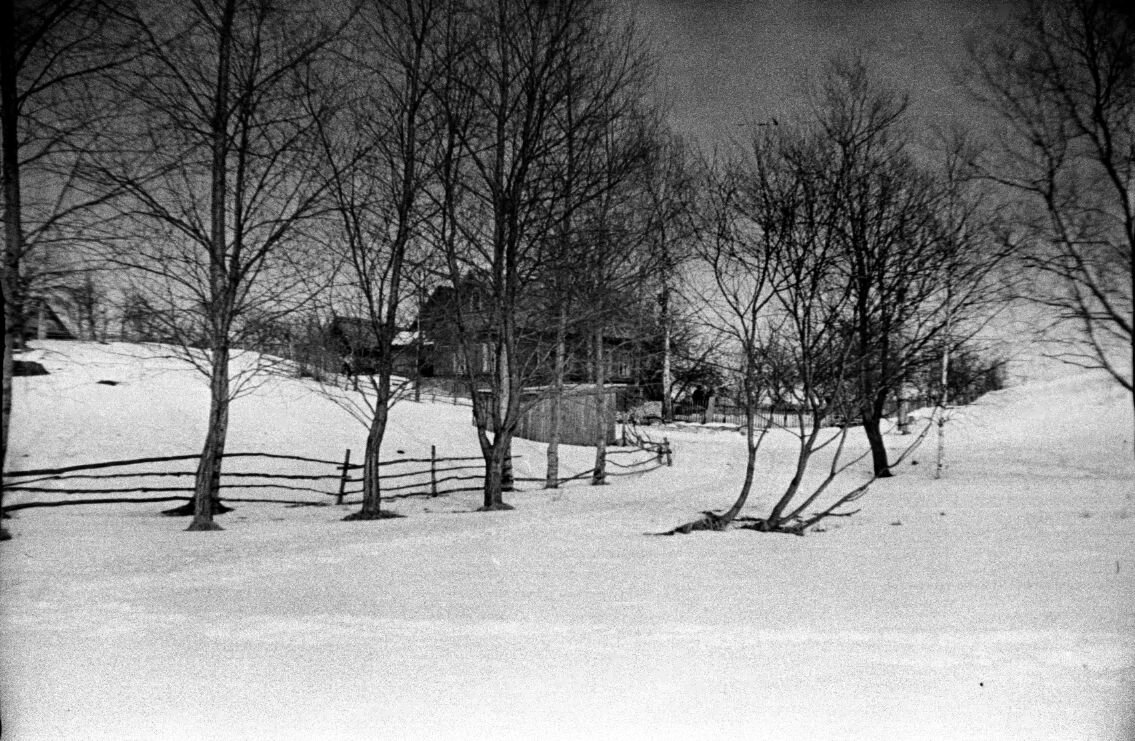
point(995, 603)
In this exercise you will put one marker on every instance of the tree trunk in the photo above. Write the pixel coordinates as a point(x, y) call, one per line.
point(206, 494)
point(940, 463)
point(807, 446)
point(871, 425)
point(599, 474)
point(207, 488)
point(502, 419)
point(9, 365)
point(505, 422)
point(372, 484)
point(508, 482)
point(712, 521)
point(418, 346)
point(495, 455)
point(13, 228)
point(493, 476)
point(552, 479)
point(667, 368)
point(552, 476)
point(752, 444)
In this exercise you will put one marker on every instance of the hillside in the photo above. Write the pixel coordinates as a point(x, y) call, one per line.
point(995, 603)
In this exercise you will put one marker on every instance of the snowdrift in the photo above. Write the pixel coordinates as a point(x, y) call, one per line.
point(995, 603)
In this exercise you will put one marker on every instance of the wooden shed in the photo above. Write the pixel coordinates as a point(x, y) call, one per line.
point(579, 414)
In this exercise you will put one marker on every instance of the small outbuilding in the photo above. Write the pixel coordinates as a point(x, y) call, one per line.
point(581, 414)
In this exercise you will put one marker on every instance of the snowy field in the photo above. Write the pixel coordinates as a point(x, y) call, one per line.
point(995, 603)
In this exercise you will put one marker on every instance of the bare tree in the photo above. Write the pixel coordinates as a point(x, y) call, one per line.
point(216, 184)
point(974, 287)
point(48, 50)
point(597, 223)
point(502, 157)
point(781, 297)
point(777, 298)
point(616, 246)
point(601, 74)
point(599, 152)
point(917, 266)
point(672, 229)
point(736, 306)
point(376, 169)
point(1061, 80)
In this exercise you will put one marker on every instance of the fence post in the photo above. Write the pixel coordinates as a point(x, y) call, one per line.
point(433, 470)
point(343, 478)
point(669, 454)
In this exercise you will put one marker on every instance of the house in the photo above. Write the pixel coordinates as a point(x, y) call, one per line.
point(626, 355)
point(355, 337)
point(627, 364)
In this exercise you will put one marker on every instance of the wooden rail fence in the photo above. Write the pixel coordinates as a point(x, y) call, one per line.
point(400, 477)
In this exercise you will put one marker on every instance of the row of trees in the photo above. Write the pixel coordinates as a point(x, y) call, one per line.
point(839, 259)
point(237, 158)
point(841, 251)
point(255, 154)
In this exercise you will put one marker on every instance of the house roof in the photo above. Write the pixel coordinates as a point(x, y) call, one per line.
point(360, 333)
point(628, 325)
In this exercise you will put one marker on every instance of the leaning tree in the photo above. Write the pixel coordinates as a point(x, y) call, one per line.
point(777, 299)
point(832, 273)
point(1061, 83)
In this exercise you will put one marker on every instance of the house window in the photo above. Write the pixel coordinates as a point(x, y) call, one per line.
point(459, 364)
point(486, 358)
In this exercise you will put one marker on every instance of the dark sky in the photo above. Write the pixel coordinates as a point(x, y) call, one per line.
point(725, 62)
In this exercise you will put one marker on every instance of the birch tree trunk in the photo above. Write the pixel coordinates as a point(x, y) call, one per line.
point(552, 479)
point(498, 452)
point(940, 463)
point(207, 485)
point(372, 456)
point(13, 228)
point(599, 474)
point(667, 368)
